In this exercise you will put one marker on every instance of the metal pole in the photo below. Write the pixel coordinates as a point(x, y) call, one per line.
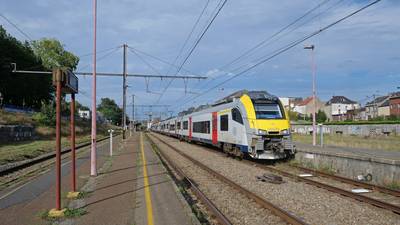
point(111, 142)
point(93, 170)
point(133, 113)
point(72, 127)
point(124, 95)
point(314, 97)
point(321, 131)
point(58, 141)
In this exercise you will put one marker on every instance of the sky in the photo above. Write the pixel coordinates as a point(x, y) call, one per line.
point(356, 58)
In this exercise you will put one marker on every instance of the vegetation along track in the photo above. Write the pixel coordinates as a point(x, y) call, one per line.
point(342, 192)
point(27, 163)
point(283, 214)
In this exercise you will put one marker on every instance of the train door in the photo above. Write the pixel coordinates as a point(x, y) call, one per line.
point(214, 128)
point(190, 128)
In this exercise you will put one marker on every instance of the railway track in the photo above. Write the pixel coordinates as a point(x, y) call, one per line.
point(331, 188)
point(350, 181)
point(281, 213)
point(27, 163)
point(220, 217)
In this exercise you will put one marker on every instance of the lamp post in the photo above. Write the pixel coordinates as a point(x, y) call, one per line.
point(93, 170)
point(312, 47)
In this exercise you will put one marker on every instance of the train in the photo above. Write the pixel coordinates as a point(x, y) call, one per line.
point(245, 123)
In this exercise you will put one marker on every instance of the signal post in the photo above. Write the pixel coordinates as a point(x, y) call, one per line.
point(65, 82)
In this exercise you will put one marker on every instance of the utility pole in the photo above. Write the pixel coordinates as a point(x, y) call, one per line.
point(124, 95)
point(93, 170)
point(314, 123)
point(133, 112)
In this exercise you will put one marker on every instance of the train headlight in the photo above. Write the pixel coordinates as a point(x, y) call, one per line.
point(285, 132)
point(261, 132)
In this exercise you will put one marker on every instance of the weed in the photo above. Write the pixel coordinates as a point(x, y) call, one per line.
point(84, 194)
point(72, 213)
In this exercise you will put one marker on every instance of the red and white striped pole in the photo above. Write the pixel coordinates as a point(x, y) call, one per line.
point(93, 170)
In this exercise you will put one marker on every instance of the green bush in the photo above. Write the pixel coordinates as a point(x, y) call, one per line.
point(46, 116)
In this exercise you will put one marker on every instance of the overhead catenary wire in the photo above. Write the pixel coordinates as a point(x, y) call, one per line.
point(16, 27)
point(100, 51)
point(194, 46)
point(272, 38)
point(159, 59)
point(101, 57)
point(284, 49)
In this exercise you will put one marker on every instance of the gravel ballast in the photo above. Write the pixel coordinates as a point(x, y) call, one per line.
point(315, 205)
point(235, 206)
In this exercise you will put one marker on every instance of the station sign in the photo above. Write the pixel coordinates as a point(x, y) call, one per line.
point(69, 80)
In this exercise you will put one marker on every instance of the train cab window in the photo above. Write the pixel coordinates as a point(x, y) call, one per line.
point(185, 125)
point(178, 125)
point(223, 123)
point(237, 116)
point(268, 111)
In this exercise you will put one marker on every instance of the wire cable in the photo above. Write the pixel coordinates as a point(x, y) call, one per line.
point(194, 47)
point(16, 27)
point(286, 48)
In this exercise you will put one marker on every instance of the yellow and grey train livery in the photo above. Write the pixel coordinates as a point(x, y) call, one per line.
point(252, 123)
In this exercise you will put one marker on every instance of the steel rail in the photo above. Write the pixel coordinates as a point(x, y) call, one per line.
point(340, 191)
point(351, 181)
point(39, 159)
point(283, 214)
point(337, 190)
point(219, 216)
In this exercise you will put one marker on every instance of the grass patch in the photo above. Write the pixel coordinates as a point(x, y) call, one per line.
point(394, 185)
point(18, 151)
point(69, 213)
point(84, 194)
point(388, 143)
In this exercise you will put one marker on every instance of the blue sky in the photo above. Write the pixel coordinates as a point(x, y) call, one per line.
point(356, 58)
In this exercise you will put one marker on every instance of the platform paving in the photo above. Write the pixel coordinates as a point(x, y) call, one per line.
point(125, 194)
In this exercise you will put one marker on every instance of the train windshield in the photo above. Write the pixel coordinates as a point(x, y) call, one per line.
point(268, 111)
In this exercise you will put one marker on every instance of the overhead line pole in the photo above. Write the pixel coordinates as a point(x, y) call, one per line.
point(93, 169)
point(124, 86)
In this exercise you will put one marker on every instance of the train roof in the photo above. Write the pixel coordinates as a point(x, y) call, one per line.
point(254, 95)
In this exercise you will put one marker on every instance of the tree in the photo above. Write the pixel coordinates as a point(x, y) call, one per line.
point(25, 90)
point(321, 116)
point(53, 54)
point(110, 110)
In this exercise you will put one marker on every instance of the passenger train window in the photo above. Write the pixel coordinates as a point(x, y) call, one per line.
point(237, 116)
point(185, 125)
point(178, 125)
point(224, 123)
point(201, 127)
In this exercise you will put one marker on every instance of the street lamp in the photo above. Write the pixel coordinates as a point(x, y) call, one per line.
point(312, 47)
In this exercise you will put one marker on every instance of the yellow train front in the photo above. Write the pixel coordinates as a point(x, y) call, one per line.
point(267, 126)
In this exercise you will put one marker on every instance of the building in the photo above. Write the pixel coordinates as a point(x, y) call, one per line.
point(290, 102)
point(378, 107)
point(306, 106)
point(336, 108)
point(394, 105)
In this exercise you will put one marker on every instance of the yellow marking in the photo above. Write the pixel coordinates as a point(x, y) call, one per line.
point(225, 111)
point(146, 186)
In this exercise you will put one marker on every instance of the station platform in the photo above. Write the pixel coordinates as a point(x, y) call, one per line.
point(132, 187)
point(372, 155)
point(136, 189)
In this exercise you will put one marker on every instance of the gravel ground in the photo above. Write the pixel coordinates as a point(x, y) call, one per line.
point(316, 205)
point(238, 208)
